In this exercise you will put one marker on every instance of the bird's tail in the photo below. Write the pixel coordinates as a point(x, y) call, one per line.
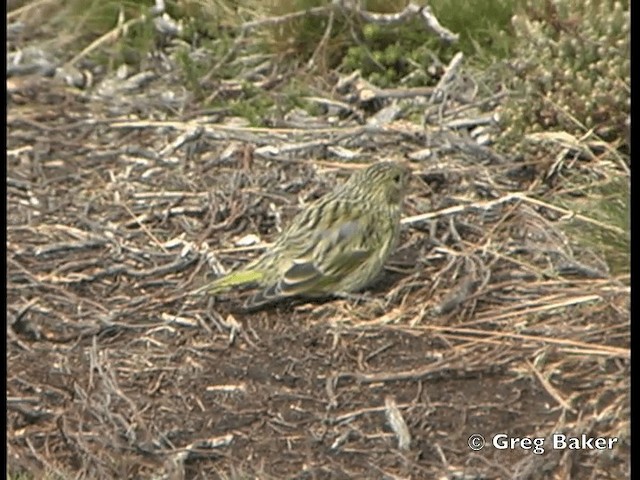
point(233, 279)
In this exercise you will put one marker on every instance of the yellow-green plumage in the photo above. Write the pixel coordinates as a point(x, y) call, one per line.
point(338, 244)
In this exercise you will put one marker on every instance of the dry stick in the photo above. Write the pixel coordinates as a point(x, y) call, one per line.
point(70, 246)
point(507, 198)
point(470, 122)
point(232, 51)
point(246, 134)
point(144, 228)
point(383, 93)
point(13, 337)
point(362, 411)
point(169, 195)
point(187, 136)
point(441, 91)
point(410, 11)
point(49, 466)
point(497, 256)
point(486, 238)
point(245, 27)
point(600, 349)
point(606, 145)
point(397, 423)
point(472, 340)
point(538, 309)
point(450, 72)
point(391, 18)
point(107, 374)
point(323, 40)
point(77, 299)
point(571, 214)
point(213, 128)
point(457, 209)
point(435, 369)
point(26, 8)
point(204, 444)
point(477, 104)
point(107, 37)
point(549, 388)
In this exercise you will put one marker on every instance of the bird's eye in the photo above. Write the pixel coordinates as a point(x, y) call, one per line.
point(397, 177)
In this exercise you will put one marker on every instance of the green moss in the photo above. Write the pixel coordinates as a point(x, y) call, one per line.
point(387, 54)
point(484, 26)
point(294, 93)
point(254, 105)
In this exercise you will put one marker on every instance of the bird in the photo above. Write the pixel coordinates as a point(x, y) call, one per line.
point(337, 245)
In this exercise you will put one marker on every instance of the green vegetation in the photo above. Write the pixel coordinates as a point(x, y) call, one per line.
point(572, 65)
point(573, 71)
point(607, 203)
point(84, 21)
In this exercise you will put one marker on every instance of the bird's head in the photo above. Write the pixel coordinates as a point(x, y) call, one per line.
point(385, 182)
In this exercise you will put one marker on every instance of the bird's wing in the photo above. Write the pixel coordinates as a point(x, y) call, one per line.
point(334, 253)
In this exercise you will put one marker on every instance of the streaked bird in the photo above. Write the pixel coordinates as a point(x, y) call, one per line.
point(336, 245)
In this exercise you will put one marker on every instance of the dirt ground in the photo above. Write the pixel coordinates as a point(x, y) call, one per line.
point(484, 323)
